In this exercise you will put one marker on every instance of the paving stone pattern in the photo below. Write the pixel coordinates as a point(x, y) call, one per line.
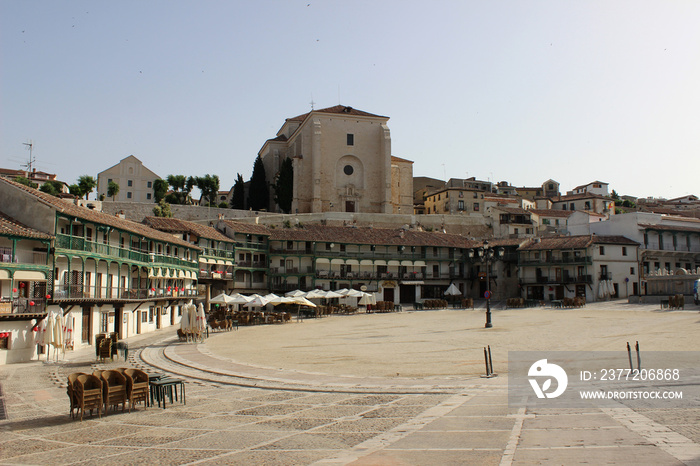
point(249, 419)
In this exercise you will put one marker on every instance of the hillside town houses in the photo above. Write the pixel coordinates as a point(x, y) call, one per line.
point(360, 220)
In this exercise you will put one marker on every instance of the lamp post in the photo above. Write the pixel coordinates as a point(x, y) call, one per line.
point(486, 254)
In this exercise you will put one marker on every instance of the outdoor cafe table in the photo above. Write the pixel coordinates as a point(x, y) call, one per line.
point(165, 386)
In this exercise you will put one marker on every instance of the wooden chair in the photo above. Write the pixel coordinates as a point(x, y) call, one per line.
point(88, 393)
point(114, 389)
point(105, 350)
point(137, 387)
point(70, 390)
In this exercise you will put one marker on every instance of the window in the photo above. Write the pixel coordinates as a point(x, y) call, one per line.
point(149, 184)
point(571, 206)
point(130, 183)
point(624, 251)
point(516, 231)
point(631, 270)
point(351, 139)
point(460, 205)
point(348, 170)
point(109, 180)
point(128, 195)
point(602, 250)
point(476, 207)
point(148, 195)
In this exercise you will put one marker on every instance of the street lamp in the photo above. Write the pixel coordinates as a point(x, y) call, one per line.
point(486, 254)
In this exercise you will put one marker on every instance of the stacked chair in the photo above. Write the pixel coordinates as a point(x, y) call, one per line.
point(87, 390)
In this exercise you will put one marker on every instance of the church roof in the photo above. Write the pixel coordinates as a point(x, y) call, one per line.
point(339, 109)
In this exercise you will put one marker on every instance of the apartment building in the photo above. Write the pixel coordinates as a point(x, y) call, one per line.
point(107, 274)
point(596, 267)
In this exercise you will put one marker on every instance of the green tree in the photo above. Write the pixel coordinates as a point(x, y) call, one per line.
point(284, 186)
point(162, 209)
point(238, 196)
point(182, 187)
point(160, 189)
point(52, 187)
point(26, 182)
point(86, 183)
point(209, 185)
point(75, 190)
point(112, 189)
point(258, 192)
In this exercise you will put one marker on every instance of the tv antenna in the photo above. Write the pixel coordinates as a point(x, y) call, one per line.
point(30, 147)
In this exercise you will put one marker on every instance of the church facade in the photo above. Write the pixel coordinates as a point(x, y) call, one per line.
point(342, 163)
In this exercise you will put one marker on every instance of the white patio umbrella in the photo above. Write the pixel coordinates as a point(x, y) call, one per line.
point(332, 294)
point(282, 300)
point(343, 291)
point(452, 290)
point(295, 293)
point(241, 299)
point(315, 294)
point(258, 301)
point(68, 330)
point(201, 320)
point(355, 294)
point(185, 319)
point(365, 299)
point(302, 301)
point(223, 298)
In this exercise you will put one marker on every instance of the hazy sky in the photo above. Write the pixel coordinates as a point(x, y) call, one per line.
point(500, 90)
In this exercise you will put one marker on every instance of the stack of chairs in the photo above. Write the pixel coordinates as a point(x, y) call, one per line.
point(137, 387)
point(87, 390)
point(114, 389)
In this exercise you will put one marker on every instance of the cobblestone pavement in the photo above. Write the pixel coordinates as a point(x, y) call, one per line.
point(245, 415)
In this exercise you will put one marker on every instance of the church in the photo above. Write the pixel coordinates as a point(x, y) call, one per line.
point(342, 163)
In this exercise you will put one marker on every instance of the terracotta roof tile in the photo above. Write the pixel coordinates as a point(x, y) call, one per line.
point(552, 212)
point(175, 225)
point(69, 208)
point(247, 228)
point(339, 109)
point(11, 227)
point(574, 242)
point(365, 235)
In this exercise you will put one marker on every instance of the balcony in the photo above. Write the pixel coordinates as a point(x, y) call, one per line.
point(82, 245)
point(542, 280)
point(252, 265)
point(22, 257)
point(223, 253)
point(580, 260)
point(17, 306)
point(103, 293)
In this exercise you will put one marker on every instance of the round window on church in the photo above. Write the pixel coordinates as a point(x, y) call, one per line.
point(348, 170)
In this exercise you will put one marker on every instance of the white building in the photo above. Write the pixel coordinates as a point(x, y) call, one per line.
point(134, 179)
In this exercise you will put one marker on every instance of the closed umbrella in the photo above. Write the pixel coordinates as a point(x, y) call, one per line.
point(201, 320)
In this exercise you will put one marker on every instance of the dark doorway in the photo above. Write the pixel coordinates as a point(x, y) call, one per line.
point(118, 324)
point(407, 293)
point(389, 294)
point(349, 206)
point(87, 321)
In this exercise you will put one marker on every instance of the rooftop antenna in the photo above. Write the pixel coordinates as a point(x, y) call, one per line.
point(312, 102)
point(30, 146)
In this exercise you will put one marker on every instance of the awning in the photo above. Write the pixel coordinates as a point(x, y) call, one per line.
point(394, 263)
point(4, 275)
point(408, 263)
point(352, 262)
point(29, 275)
point(419, 264)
